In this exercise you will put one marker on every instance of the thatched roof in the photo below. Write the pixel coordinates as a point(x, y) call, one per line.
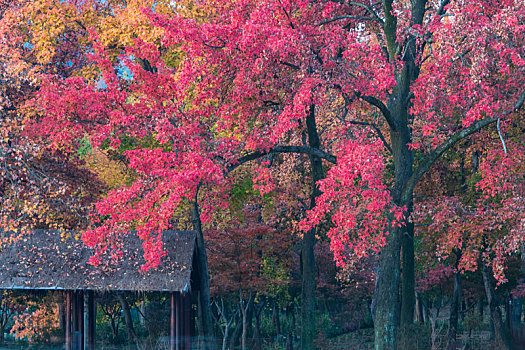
point(46, 259)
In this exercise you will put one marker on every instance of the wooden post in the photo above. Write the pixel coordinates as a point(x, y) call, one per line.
point(92, 314)
point(68, 320)
point(173, 326)
point(178, 320)
point(80, 315)
point(74, 320)
point(187, 313)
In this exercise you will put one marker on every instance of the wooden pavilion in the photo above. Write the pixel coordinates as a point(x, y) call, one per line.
point(54, 260)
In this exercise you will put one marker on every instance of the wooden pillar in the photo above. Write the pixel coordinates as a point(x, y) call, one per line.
point(74, 320)
point(68, 320)
point(80, 316)
point(91, 321)
point(178, 320)
point(186, 324)
point(175, 321)
point(173, 326)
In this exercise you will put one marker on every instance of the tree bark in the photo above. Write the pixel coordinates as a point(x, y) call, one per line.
point(61, 314)
point(245, 308)
point(275, 317)
point(515, 319)
point(387, 309)
point(397, 116)
point(308, 315)
point(502, 336)
point(257, 337)
point(408, 278)
point(420, 315)
point(132, 336)
point(385, 325)
point(234, 342)
point(480, 307)
point(454, 311)
point(206, 321)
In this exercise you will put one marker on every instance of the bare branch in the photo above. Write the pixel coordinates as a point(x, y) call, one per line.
point(501, 136)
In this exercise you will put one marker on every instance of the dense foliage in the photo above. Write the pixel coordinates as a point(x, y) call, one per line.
point(391, 131)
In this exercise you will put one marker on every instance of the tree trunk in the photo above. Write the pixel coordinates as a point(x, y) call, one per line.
point(114, 328)
point(420, 315)
point(454, 311)
point(236, 335)
point(206, 321)
point(480, 308)
point(502, 336)
point(515, 319)
point(387, 308)
point(132, 336)
point(257, 337)
point(61, 314)
point(275, 317)
point(225, 336)
point(385, 325)
point(398, 118)
point(308, 315)
point(245, 308)
point(244, 330)
point(293, 325)
point(289, 342)
point(408, 278)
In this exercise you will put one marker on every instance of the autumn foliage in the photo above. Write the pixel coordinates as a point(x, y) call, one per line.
point(355, 122)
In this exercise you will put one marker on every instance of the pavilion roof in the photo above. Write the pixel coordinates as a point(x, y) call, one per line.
point(46, 259)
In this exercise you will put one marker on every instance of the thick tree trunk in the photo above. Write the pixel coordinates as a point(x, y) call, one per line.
point(454, 312)
point(132, 336)
point(308, 315)
point(398, 118)
point(408, 277)
point(387, 309)
point(385, 325)
point(502, 336)
point(206, 321)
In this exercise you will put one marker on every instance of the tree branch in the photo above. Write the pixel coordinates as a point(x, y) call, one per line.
point(382, 107)
point(369, 9)
point(378, 131)
point(441, 9)
point(283, 149)
point(451, 141)
point(390, 28)
point(346, 17)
